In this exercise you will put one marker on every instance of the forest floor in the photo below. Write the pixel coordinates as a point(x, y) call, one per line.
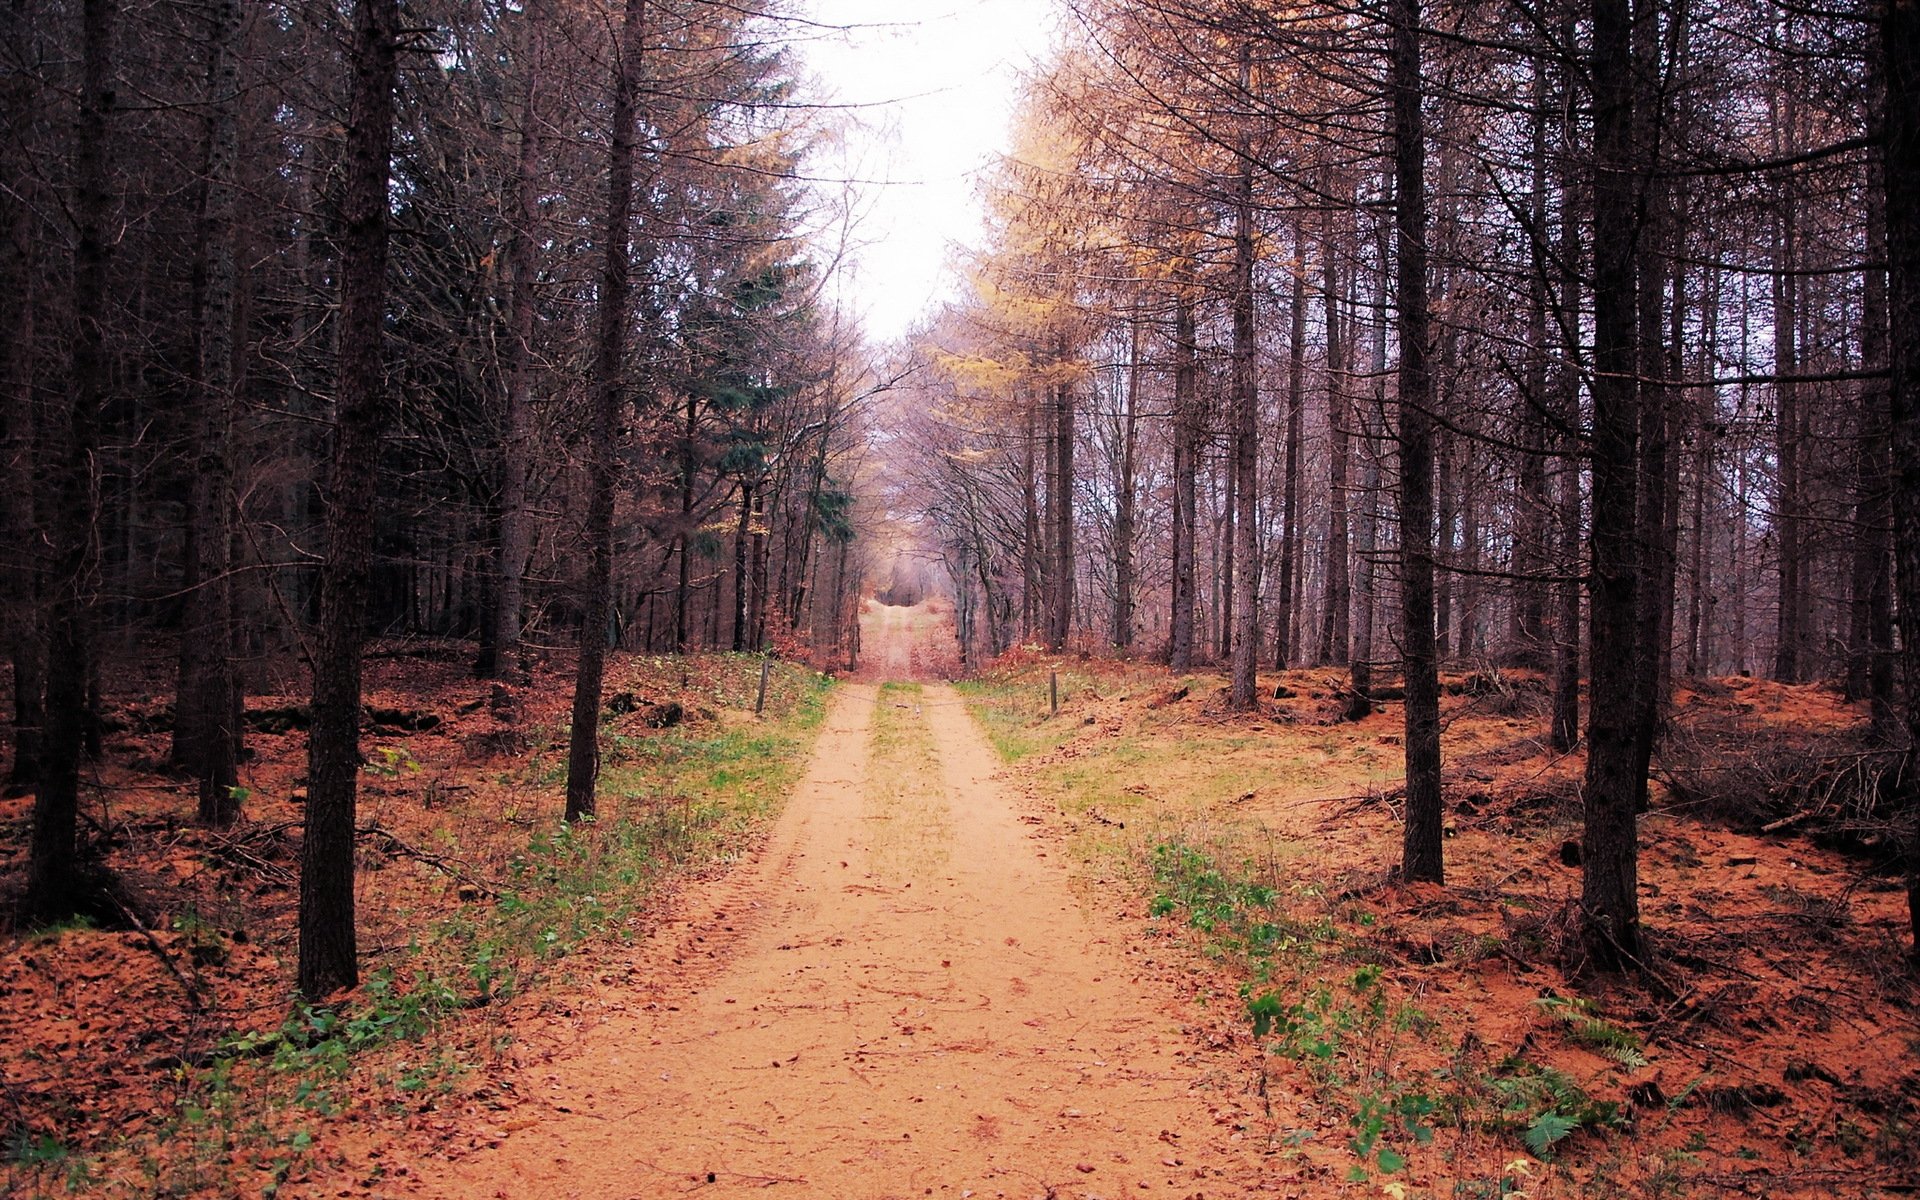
point(967, 946)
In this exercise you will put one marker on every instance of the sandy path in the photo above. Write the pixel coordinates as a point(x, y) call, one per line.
point(859, 1033)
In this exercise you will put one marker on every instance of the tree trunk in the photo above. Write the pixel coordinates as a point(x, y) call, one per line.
point(1786, 502)
point(1564, 727)
point(1870, 661)
point(603, 450)
point(1334, 621)
point(207, 739)
point(1367, 528)
point(516, 525)
point(1531, 553)
point(52, 867)
point(1284, 618)
point(328, 960)
point(22, 567)
point(1060, 508)
point(742, 584)
point(683, 586)
point(1421, 856)
point(1185, 453)
point(757, 569)
point(1610, 894)
point(1124, 501)
point(1900, 54)
point(1244, 645)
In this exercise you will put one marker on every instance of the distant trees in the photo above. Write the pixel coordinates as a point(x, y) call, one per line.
point(376, 236)
point(1608, 397)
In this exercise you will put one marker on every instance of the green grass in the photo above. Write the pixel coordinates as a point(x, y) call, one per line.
point(906, 802)
point(671, 802)
point(1016, 713)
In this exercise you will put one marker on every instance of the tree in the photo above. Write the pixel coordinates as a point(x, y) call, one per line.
point(1421, 854)
point(208, 726)
point(53, 883)
point(615, 315)
point(1899, 52)
point(328, 956)
point(1609, 894)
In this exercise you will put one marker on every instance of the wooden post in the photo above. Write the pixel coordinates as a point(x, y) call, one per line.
point(1053, 690)
point(760, 700)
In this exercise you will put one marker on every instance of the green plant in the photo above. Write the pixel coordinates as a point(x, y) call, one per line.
point(391, 762)
point(40, 1155)
point(1586, 1026)
point(1545, 1106)
point(1380, 1120)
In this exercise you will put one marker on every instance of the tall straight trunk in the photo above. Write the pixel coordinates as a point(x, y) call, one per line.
point(207, 734)
point(1609, 896)
point(1033, 573)
point(1706, 422)
point(742, 584)
point(1220, 624)
point(1366, 588)
point(1530, 549)
point(1674, 430)
point(1787, 495)
point(1244, 659)
point(1284, 648)
point(1060, 503)
point(21, 566)
point(516, 521)
point(1564, 725)
point(1650, 496)
point(1365, 567)
point(757, 568)
point(603, 433)
point(1186, 450)
point(328, 959)
point(52, 866)
point(1448, 545)
point(1870, 661)
point(1125, 499)
point(1900, 79)
point(1421, 857)
point(689, 464)
point(1334, 626)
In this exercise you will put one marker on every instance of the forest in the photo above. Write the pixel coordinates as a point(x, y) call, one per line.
point(451, 495)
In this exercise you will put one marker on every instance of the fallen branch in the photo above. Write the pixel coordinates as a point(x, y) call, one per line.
point(195, 998)
point(392, 843)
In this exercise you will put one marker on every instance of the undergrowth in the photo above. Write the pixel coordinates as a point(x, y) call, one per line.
point(1352, 1037)
point(250, 1113)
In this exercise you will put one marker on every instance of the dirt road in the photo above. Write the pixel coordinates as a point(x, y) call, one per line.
point(844, 1026)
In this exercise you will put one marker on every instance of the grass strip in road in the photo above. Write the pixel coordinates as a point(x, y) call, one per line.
point(906, 803)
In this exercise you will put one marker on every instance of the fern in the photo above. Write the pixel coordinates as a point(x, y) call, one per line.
point(1545, 1130)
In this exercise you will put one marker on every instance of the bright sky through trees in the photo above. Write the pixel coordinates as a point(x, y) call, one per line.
point(935, 82)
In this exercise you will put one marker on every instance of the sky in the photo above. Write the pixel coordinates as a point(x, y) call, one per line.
point(932, 84)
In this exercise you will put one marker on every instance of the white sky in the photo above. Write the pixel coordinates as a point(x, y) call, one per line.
point(936, 81)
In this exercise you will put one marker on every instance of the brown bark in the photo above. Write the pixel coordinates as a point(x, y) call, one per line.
point(52, 867)
point(1609, 896)
point(1285, 618)
point(1421, 854)
point(208, 737)
point(328, 956)
point(516, 449)
point(1060, 509)
point(1125, 499)
point(1334, 620)
point(1900, 56)
point(1244, 642)
point(1185, 453)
